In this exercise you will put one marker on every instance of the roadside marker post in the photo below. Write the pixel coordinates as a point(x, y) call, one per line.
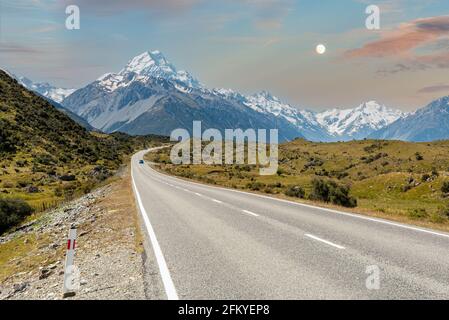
point(71, 273)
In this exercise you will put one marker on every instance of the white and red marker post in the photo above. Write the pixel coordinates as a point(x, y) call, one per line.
point(71, 274)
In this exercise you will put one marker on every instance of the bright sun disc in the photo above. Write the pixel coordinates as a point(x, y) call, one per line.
point(320, 49)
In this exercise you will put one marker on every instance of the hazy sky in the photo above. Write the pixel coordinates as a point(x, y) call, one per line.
point(246, 45)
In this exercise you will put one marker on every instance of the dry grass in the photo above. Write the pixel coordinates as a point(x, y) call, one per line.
point(119, 217)
point(116, 223)
point(386, 177)
point(22, 255)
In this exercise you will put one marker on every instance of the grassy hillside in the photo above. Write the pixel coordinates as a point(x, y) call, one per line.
point(45, 157)
point(393, 179)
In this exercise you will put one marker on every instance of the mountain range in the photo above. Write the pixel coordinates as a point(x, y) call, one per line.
point(45, 89)
point(149, 95)
point(427, 124)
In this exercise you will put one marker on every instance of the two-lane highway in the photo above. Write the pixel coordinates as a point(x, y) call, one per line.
point(216, 243)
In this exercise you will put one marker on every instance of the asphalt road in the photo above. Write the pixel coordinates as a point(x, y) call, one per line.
point(215, 243)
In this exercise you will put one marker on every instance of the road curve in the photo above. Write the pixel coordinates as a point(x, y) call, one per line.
point(215, 243)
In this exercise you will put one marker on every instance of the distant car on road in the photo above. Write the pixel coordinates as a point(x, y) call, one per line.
point(141, 162)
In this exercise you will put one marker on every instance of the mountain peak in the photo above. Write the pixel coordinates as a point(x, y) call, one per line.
point(147, 62)
point(371, 105)
point(266, 96)
point(359, 122)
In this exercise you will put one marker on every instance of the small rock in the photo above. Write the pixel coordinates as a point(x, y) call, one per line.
point(53, 246)
point(83, 282)
point(44, 274)
point(20, 287)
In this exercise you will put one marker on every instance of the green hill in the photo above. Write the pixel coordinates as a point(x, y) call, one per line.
point(46, 157)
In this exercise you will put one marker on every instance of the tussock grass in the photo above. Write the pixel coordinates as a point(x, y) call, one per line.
point(392, 179)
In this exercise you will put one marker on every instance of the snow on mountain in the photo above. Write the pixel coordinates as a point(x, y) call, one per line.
point(145, 66)
point(358, 123)
point(150, 96)
point(116, 100)
point(430, 123)
point(45, 89)
point(303, 120)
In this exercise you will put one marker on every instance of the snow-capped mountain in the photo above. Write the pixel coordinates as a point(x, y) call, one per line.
point(358, 123)
point(145, 66)
point(150, 96)
point(45, 89)
point(305, 121)
point(330, 125)
point(427, 124)
point(150, 87)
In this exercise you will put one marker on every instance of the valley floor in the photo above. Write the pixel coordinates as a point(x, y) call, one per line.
point(394, 180)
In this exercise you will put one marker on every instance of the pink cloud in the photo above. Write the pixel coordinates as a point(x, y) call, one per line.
point(402, 41)
point(417, 45)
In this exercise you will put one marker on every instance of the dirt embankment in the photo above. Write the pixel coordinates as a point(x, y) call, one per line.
point(110, 250)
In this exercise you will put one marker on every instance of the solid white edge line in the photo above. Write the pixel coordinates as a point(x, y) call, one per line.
point(170, 289)
point(324, 241)
point(357, 216)
point(251, 213)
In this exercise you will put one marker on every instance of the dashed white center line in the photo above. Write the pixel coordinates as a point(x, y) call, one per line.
point(217, 201)
point(325, 241)
point(198, 194)
point(250, 213)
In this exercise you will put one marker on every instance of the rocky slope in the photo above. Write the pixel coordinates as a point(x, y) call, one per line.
point(358, 123)
point(428, 124)
point(150, 96)
point(110, 250)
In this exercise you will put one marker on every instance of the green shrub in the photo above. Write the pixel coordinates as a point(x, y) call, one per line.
point(275, 185)
point(67, 177)
point(8, 185)
point(295, 191)
point(444, 211)
point(419, 156)
point(280, 172)
point(268, 190)
point(418, 213)
point(445, 187)
point(329, 191)
point(256, 186)
point(12, 212)
point(435, 173)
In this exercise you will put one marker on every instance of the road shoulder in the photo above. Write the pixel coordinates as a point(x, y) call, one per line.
point(112, 255)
